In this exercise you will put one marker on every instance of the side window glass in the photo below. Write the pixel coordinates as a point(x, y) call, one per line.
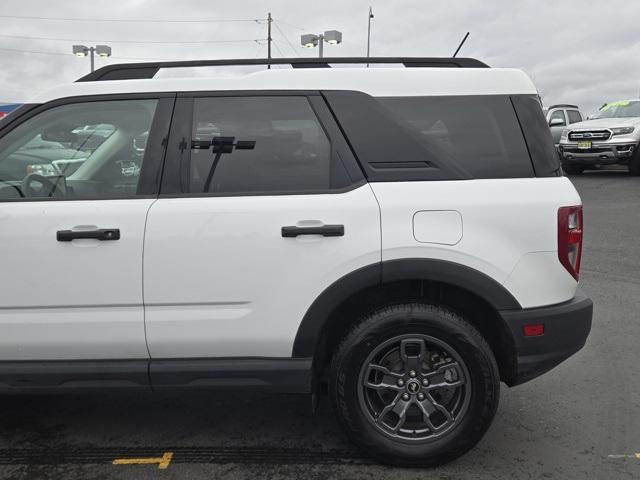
point(479, 133)
point(260, 145)
point(87, 150)
point(574, 116)
point(558, 114)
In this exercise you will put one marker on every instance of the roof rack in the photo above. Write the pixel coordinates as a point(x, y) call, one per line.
point(130, 71)
point(561, 105)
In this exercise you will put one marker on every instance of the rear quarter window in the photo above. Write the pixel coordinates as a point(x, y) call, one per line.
point(574, 116)
point(481, 134)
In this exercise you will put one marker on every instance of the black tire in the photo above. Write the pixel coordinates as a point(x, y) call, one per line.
point(430, 322)
point(634, 163)
point(573, 169)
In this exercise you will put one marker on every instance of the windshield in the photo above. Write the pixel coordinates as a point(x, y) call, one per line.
point(622, 109)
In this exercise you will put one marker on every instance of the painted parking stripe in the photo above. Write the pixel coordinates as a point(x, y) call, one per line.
point(184, 455)
point(163, 461)
point(624, 455)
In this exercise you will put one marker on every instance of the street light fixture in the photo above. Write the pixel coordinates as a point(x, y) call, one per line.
point(82, 51)
point(103, 50)
point(333, 37)
point(310, 40)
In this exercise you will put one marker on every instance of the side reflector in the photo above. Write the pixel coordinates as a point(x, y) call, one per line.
point(534, 330)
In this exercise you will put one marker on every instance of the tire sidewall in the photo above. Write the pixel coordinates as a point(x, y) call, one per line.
point(440, 324)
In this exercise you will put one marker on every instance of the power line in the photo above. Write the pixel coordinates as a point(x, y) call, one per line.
point(40, 52)
point(297, 27)
point(34, 51)
point(23, 37)
point(130, 20)
point(286, 38)
point(278, 48)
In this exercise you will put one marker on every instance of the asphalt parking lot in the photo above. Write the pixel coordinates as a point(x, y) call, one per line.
point(579, 421)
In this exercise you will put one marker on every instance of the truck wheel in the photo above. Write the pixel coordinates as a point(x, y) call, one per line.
point(414, 385)
point(573, 169)
point(634, 163)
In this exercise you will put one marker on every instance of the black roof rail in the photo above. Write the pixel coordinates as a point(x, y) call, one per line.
point(563, 105)
point(130, 71)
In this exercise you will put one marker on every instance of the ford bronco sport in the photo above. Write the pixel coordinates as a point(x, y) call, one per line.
point(402, 236)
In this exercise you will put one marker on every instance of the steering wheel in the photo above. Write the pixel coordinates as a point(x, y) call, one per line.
point(48, 187)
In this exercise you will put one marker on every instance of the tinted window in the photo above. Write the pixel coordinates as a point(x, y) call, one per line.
point(559, 115)
point(82, 150)
point(285, 149)
point(481, 134)
point(574, 116)
point(537, 134)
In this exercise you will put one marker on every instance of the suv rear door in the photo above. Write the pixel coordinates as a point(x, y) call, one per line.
point(234, 257)
point(71, 290)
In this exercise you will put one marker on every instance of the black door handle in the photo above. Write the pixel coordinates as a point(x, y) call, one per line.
point(98, 234)
point(324, 230)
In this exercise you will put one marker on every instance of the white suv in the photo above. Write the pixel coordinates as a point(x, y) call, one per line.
point(402, 235)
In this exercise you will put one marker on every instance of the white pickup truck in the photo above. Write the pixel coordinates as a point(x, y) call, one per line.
point(609, 137)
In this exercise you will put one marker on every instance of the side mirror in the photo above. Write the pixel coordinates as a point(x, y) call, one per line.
point(59, 133)
point(556, 122)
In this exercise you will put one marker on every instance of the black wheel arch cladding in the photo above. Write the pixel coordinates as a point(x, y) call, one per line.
point(317, 316)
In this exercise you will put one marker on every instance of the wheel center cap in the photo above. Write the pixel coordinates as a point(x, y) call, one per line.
point(413, 386)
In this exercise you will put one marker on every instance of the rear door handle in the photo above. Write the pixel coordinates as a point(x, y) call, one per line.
point(97, 234)
point(324, 230)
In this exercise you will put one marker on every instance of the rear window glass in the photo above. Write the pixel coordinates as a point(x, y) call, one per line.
point(481, 134)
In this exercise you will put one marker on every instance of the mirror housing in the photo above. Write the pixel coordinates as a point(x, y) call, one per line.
point(556, 122)
point(59, 133)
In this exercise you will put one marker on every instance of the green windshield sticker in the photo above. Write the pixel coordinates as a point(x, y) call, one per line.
point(621, 103)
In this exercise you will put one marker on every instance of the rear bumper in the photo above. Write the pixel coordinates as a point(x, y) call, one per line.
point(566, 328)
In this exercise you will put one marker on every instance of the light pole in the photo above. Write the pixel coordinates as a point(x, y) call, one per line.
point(369, 34)
point(83, 51)
point(310, 40)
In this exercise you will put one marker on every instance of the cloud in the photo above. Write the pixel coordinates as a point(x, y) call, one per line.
point(573, 52)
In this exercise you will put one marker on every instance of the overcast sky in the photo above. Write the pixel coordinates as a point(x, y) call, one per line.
point(576, 51)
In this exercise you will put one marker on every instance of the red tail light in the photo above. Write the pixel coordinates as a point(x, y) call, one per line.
point(570, 238)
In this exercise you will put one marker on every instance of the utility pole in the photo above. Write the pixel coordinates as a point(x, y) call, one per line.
point(369, 34)
point(269, 39)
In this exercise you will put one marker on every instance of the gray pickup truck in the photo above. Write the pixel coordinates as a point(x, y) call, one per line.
point(559, 116)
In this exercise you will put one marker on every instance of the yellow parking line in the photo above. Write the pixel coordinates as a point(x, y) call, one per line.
point(163, 462)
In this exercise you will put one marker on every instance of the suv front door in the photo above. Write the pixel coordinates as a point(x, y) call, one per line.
point(263, 206)
point(76, 182)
